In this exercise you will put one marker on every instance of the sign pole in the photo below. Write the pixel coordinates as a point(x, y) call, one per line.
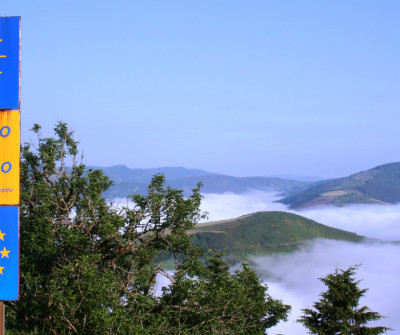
point(2, 318)
point(10, 31)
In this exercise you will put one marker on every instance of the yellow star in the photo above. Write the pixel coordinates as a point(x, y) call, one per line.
point(4, 253)
point(2, 235)
point(1, 269)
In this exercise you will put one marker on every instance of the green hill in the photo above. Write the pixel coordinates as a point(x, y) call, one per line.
point(380, 185)
point(264, 232)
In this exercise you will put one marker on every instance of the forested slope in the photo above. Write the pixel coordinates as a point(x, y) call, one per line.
point(379, 185)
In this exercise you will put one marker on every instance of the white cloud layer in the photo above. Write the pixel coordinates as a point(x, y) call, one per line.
point(293, 277)
point(375, 221)
point(230, 205)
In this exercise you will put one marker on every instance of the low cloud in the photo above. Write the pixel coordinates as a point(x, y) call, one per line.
point(230, 205)
point(293, 277)
point(375, 221)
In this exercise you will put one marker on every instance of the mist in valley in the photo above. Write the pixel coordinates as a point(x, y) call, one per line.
point(231, 205)
point(293, 277)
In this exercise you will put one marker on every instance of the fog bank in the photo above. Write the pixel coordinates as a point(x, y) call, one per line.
point(293, 277)
point(230, 205)
point(375, 221)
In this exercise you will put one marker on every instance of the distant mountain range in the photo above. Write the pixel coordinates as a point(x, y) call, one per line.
point(380, 185)
point(264, 232)
point(129, 181)
point(121, 173)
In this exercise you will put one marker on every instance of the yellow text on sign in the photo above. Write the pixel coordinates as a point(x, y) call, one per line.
point(9, 157)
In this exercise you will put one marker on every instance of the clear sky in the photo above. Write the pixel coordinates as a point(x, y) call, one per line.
point(236, 87)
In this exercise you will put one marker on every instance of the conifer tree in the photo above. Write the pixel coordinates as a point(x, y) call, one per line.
point(337, 312)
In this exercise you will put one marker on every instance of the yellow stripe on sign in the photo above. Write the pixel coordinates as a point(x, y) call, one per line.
point(3, 56)
point(9, 157)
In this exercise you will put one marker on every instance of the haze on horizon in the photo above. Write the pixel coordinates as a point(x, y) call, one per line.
point(240, 88)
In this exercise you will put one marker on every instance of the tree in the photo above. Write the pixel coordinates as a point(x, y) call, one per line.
point(337, 312)
point(220, 302)
point(90, 267)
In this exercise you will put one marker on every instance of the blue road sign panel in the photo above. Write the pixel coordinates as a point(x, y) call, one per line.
point(9, 253)
point(9, 62)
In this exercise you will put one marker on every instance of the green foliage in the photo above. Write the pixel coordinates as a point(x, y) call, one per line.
point(88, 267)
point(218, 302)
point(337, 311)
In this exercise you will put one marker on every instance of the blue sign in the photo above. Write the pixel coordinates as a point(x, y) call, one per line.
point(9, 62)
point(9, 253)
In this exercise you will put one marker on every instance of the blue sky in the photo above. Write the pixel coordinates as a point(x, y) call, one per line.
point(237, 87)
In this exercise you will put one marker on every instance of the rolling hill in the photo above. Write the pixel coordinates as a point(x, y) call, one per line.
point(264, 232)
point(380, 185)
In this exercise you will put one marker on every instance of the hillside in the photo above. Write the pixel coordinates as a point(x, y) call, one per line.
point(128, 181)
point(263, 232)
point(380, 185)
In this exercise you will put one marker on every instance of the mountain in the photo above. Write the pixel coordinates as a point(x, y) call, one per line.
point(128, 181)
point(298, 177)
point(121, 173)
point(380, 185)
point(264, 232)
point(218, 183)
